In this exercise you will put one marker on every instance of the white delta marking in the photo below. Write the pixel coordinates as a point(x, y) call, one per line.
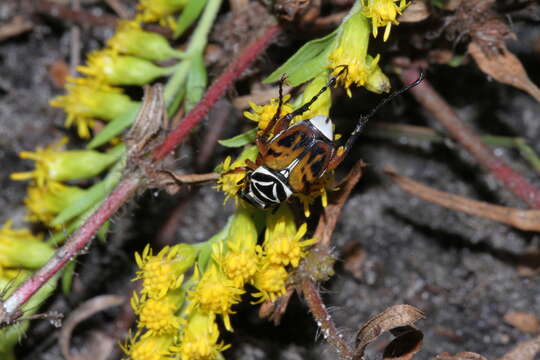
point(277, 181)
point(324, 125)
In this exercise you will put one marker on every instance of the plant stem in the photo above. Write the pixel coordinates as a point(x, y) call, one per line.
point(463, 134)
point(222, 83)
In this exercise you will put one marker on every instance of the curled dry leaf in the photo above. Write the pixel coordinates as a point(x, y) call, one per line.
point(460, 356)
point(523, 321)
point(397, 319)
point(526, 350)
point(83, 312)
point(522, 219)
point(415, 12)
point(505, 68)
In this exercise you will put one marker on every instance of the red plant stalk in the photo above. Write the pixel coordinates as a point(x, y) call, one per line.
point(218, 88)
point(128, 186)
point(80, 238)
point(462, 133)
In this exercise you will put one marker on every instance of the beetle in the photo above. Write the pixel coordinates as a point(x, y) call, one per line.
point(298, 155)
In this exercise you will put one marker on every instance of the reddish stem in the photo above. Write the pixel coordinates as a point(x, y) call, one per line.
point(324, 320)
point(77, 241)
point(443, 112)
point(218, 88)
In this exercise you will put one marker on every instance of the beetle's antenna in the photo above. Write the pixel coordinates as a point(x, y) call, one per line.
point(364, 118)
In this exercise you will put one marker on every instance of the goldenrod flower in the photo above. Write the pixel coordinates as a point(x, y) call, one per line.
point(239, 261)
point(383, 13)
point(283, 243)
point(233, 173)
point(55, 164)
point(163, 272)
point(270, 280)
point(131, 39)
point(351, 52)
point(149, 348)
point(215, 293)
point(20, 248)
point(160, 10)
point(45, 202)
point(200, 339)
point(262, 114)
point(158, 316)
point(111, 68)
point(86, 100)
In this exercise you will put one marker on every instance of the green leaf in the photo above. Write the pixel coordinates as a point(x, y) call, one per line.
point(115, 127)
point(240, 140)
point(67, 277)
point(306, 63)
point(93, 195)
point(196, 82)
point(190, 13)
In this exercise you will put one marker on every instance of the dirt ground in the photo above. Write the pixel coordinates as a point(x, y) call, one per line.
point(464, 272)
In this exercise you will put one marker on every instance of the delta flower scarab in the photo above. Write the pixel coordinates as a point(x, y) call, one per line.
point(294, 160)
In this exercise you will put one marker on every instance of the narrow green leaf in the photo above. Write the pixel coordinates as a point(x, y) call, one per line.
point(306, 63)
point(190, 13)
point(115, 127)
point(67, 277)
point(93, 195)
point(240, 140)
point(196, 82)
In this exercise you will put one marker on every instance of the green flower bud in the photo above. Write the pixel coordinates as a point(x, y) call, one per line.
point(114, 69)
point(20, 248)
point(132, 40)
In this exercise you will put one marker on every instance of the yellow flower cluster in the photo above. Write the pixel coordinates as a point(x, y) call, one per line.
point(128, 59)
point(177, 318)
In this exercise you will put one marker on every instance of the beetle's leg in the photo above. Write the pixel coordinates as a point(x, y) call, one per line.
point(277, 116)
point(342, 151)
point(302, 109)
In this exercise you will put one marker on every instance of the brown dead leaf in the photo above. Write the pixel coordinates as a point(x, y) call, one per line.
point(407, 343)
point(415, 12)
point(526, 322)
point(58, 73)
point(505, 68)
point(460, 356)
point(392, 319)
point(525, 350)
point(83, 312)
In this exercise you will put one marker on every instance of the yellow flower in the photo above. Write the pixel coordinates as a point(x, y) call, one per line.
point(109, 67)
point(270, 281)
point(45, 202)
point(163, 272)
point(149, 348)
point(263, 114)
point(215, 293)
point(233, 173)
point(160, 10)
point(131, 39)
point(54, 164)
point(20, 248)
point(240, 260)
point(86, 100)
point(383, 13)
point(282, 241)
point(351, 52)
point(158, 316)
point(200, 339)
